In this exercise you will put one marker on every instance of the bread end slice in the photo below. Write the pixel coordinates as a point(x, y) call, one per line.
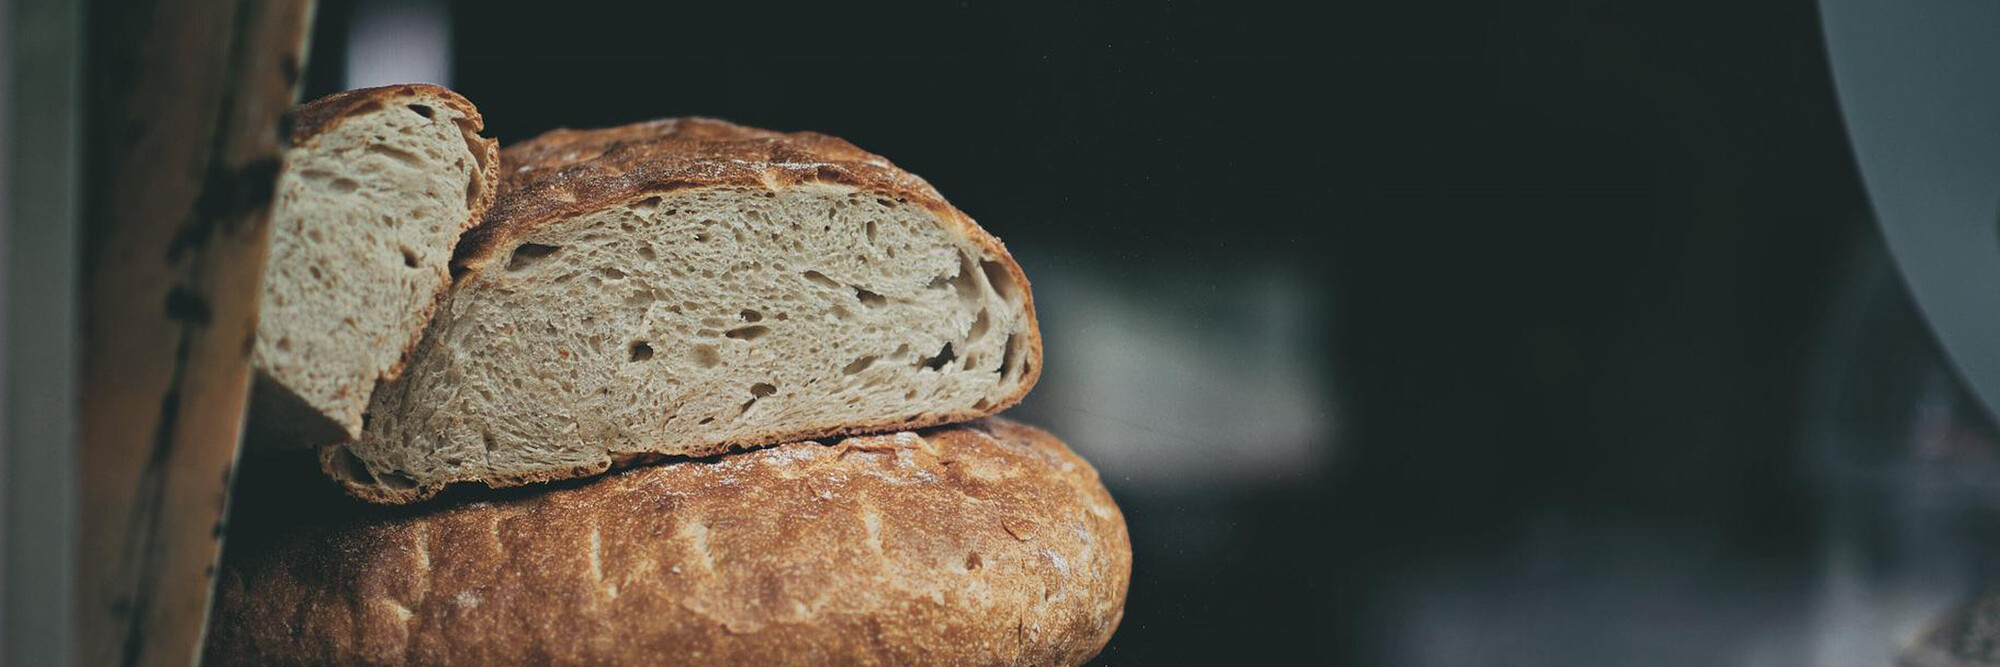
point(376, 188)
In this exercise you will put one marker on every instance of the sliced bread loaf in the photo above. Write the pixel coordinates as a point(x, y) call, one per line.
point(984, 544)
point(375, 190)
point(688, 286)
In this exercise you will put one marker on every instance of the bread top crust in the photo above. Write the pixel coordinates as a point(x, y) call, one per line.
point(564, 173)
point(987, 543)
point(313, 119)
point(321, 115)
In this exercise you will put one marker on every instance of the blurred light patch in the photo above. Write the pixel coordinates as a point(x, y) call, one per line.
point(1580, 590)
point(1177, 376)
point(1910, 512)
point(399, 42)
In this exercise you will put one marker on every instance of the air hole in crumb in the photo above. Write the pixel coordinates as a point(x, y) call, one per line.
point(422, 110)
point(943, 357)
point(972, 561)
point(407, 158)
point(884, 202)
point(527, 254)
point(1001, 280)
point(648, 253)
point(858, 365)
point(397, 481)
point(705, 420)
point(750, 315)
point(646, 206)
point(610, 273)
point(285, 343)
point(409, 257)
point(748, 333)
point(641, 350)
point(1007, 353)
point(327, 180)
point(964, 283)
point(705, 356)
point(870, 299)
point(486, 437)
point(757, 391)
point(870, 228)
point(353, 468)
point(314, 270)
point(841, 313)
point(980, 325)
point(821, 278)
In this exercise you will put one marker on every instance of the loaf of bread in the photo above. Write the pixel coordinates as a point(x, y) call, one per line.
point(983, 544)
point(688, 287)
point(374, 192)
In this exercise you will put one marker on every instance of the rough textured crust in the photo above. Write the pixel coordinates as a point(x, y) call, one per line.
point(279, 417)
point(564, 173)
point(988, 543)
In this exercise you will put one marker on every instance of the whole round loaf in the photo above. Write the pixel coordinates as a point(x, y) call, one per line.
point(985, 543)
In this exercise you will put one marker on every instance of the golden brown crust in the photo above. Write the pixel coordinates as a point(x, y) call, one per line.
point(989, 543)
point(565, 173)
point(321, 115)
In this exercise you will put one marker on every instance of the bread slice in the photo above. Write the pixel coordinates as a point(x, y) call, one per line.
point(688, 286)
point(983, 544)
point(375, 190)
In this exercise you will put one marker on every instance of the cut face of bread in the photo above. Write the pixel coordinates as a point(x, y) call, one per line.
point(688, 287)
point(375, 190)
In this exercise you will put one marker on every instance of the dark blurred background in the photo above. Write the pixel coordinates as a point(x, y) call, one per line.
point(1429, 333)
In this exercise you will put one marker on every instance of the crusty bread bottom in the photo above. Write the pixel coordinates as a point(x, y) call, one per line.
point(983, 544)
